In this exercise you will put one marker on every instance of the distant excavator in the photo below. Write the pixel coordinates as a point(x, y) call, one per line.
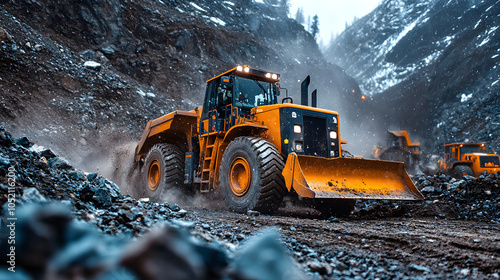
point(399, 147)
point(255, 149)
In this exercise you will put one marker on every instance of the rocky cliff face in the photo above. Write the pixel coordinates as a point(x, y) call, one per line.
point(429, 66)
point(79, 75)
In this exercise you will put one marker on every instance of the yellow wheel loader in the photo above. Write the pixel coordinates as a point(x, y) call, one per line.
point(254, 150)
point(399, 147)
point(468, 159)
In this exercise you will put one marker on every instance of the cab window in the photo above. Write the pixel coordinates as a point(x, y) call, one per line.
point(252, 93)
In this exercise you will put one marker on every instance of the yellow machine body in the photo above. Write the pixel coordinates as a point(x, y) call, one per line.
point(308, 176)
point(305, 139)
point(468, 159)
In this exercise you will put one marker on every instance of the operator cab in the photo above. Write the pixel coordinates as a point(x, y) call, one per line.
point(234, 93)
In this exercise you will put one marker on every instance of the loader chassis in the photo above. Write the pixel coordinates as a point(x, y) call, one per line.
point(255, 150)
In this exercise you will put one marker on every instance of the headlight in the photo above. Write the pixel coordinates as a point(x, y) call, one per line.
point(246, 69)
point(239, 68)
point(272, 76)
point(333, 134)
point(297, 128)
point(298, 147)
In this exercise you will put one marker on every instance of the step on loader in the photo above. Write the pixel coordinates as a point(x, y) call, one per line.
point(255, 150)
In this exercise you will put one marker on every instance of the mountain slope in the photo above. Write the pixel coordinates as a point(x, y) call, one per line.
point(85, 76)
point(430, 67)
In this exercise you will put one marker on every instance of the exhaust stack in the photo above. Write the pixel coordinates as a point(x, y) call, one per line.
point(303, 90)
point(314, 97)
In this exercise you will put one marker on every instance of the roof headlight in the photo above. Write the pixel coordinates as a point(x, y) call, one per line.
point(246, 69)
point(268, 75)
point(239, 68)
point(274, 76)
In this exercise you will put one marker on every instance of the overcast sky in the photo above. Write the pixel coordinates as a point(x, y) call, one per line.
point(332, 14)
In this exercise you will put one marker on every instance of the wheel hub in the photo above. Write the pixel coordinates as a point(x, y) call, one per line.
point(240, 176)
point(154, 175)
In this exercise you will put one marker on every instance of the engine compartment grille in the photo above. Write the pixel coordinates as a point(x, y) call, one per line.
point(315, 136)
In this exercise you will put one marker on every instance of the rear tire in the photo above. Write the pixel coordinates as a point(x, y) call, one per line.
point(250, 175)
point(163, 170)
point(336, 207)
point(461, 170)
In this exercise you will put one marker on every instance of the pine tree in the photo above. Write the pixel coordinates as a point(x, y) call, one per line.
point(299, 16)
point(315, 26)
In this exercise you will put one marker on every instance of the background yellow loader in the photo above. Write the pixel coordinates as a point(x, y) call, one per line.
point(468, 159)
point(399, 147)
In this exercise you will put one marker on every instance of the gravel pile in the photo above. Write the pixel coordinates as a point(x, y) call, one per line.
point(444, 197)
point(469, 198)
point(42, 176)
point(71, 224)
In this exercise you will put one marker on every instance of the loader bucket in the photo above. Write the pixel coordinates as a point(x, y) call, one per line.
point(352, 178)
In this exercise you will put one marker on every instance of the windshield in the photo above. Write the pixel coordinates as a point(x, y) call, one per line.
point(253, 93)
point(471, 149)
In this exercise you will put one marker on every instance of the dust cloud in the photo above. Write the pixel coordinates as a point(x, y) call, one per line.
point(112, 156)
point(191, 197)
point(117, 163)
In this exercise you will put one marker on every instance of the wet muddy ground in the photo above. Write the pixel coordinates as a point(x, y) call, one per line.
point(357, 248)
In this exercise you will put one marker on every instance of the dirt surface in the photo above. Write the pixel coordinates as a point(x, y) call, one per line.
point(454, 233)
point(391, 247)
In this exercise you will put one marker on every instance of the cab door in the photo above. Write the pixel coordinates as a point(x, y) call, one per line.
point(217, 110)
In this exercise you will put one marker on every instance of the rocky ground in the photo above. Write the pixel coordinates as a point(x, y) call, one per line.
point(77, 224)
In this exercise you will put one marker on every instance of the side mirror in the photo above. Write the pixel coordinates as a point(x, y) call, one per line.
point(226, 83)
point(277, 89)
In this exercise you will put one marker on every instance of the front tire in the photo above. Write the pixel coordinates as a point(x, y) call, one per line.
point(163, 170)
point(461, 170)
point(250, 175)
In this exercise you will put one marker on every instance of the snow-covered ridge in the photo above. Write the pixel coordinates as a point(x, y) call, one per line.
point(402, 37)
